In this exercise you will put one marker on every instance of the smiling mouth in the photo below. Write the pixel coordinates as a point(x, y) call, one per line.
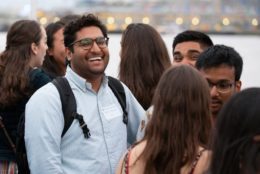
point(214, 104)
point(95, 59)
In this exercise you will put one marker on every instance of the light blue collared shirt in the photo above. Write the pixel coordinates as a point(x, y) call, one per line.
point(73, 154)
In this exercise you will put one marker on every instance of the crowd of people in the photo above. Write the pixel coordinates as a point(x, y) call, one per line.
point(188, 116)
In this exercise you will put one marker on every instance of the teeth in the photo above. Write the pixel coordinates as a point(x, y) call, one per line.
point(94, 58)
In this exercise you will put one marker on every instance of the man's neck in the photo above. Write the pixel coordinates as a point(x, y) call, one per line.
point(94, 79)
point(96, 83)
point(214, 118)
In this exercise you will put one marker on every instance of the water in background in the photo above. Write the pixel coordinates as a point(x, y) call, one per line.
point(248, 46)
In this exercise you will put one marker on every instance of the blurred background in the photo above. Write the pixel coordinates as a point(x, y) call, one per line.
point(167, 16)
point(235, 23)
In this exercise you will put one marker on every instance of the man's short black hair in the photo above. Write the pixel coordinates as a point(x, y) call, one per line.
point(218, 55)
point(76, 25)
point(195, 36)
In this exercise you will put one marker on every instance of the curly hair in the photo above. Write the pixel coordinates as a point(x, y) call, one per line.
point(85, 21)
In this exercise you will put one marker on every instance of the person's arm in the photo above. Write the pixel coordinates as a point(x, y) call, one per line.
point(44, 123)
point(131, 160)
point(120, 169)
point(135, 114)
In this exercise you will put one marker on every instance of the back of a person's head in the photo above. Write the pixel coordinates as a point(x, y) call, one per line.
point(181, 119)
point(236, 145)
point(194, 36)
point(144, 57)
point(84, 21)
point(15, 59)
point(218, 55)
point(143, 44)
point(22, 34)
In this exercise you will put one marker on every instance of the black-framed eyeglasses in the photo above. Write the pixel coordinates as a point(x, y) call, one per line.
point(222, 86)
point(87, 43)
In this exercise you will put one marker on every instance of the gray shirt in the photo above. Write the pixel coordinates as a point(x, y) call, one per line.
point(49, 153)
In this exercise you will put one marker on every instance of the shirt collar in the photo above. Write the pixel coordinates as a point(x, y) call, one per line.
point(80, 82)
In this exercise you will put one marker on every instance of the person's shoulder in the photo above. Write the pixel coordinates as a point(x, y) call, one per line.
point(203, 162)
point(38, 78)
point(127, 91)
point(122, 83)
point(45, 92)
point(47, 97)
point(136, 151)
point(37, 72)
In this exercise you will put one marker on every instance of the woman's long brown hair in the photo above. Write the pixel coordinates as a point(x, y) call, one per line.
point(14, 61)
point(180, 122)
point(144, 58)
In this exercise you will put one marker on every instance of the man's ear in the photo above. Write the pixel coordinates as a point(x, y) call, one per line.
point(68, 53)
point(238, 85)
point(50, 51)
point(34, 48)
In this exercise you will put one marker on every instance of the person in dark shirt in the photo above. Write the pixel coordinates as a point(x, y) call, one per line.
point(19, 78)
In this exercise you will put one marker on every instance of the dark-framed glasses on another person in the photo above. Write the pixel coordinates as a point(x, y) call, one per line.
point(223, 86)
point(87, 43)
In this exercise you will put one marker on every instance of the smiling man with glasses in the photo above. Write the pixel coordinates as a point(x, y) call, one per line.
point(222, 67)
point(95, 142)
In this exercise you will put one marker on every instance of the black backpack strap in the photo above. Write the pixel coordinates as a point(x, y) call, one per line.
point(69, 106)
point(119, 92)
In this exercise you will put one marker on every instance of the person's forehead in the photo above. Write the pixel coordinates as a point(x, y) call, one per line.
point(59, 33)
point(188, 45)
point(89, 32)
point(219, 73)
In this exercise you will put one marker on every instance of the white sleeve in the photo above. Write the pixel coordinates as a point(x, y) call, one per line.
point(44, 123)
